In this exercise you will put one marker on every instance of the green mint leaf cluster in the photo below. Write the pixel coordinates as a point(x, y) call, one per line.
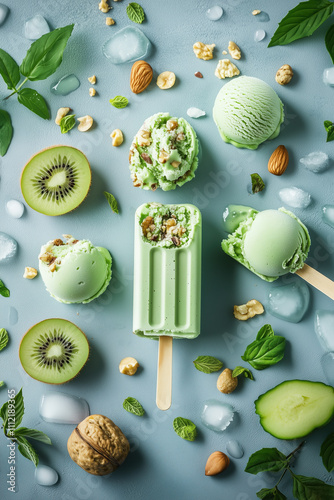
point(257, 183)
point(266, 350)
point(41, 61)
point(119, 102)
point(329, 126)
point(135, 13)
point(327, 452)
point(67, 123)
point(3, 338)
point(112, 201)
point(20, 434)
point(240, 370)
point(329, 41)
point(133, 406)
point(271, 494)
point(3, 289)
point(207, 364)
point(185, 428)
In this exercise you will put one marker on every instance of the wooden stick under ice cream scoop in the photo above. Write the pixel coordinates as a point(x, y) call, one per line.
point(164, 379)
point(318, 280)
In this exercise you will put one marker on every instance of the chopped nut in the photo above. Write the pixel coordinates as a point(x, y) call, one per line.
point(58, 242)
point(146, 158)
point(169, 224)
point(145, 225)
point(144, 137)
point(284, 74)
point(128, 366)
point(154, 187)
point(226, 69)
point(92, 92)
point(104, 7)
point(46, 257)
point(67, 236)
point(180, 136)
point(117, 137)
point(166, 80)
point(255, 12)
point(30, 273)
point(249, 310)
point(60, 114)
point(92, 79)
point(86, 122)
point(234, 50)
point(137, 182)
point(163, 157)
point(175, 164)
point(176, 241)
point(198, 74)
point(224, 52)
point(110, 21)
point(172, 124)
point(52, 267)
point(226, 383)
point(203, 51)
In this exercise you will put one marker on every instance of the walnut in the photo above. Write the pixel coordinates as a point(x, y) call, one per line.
point(203, 51)
point(234, 50)
point(46, 257)
point(30, 273)
point(284, 74)
point(163, 157)
point(226, 69)
point(58, 242)
point(180, 136)
point(145, 225)
point(136, 181)
point(172, 124)
point(169, 224)
point(97, 445)
point(249, 310)
point(104, 7)
point(144, 137)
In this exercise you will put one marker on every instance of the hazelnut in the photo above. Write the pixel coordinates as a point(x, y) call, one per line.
point(128, 366)
point(284, 74)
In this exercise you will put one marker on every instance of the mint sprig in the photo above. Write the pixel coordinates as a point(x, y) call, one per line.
point(207, 364)
point(3, 289)
point(185, 428)
point(266, 350)
point(329, 126)
point(133, 406)
point(240, 370)
point(119, 102)
point(135, 12)
point(112, 201)
point(4, 338)
point(327, 452)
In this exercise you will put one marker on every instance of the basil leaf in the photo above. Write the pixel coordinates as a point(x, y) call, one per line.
point(257, 183)
point(133, 406)
point(207, 364)
point(185, 428)
point(135, 13)
point(112, 201)
point(32, 434)
point(327, 452)
point(329, 126)
point(67, 123)
point(3, 338)
point(6, 132)
point(329, 41)
point(271, 494)
point(301, 21)
point(9, 70)
point(264, 332)
point(32, 100)
point(266, 352)
point(27, 450)
point(4, 290)
point(119, 102)
point(310, 488)
point(240, 370)
point(267, 459)
point(46, 54)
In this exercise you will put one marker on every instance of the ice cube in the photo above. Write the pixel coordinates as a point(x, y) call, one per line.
point(217, 415)
point(15, 208)
point(61, 408)
point(13, 316)
point(316, 161)
point(4, 11)
point(324, 328)
point(127, 45)
point(328, 76)
point(328, 214)
point(45, 476)
point(259, 35)
point(35, 27)
point(289, 302)
point(234, 449)
point(66, 85)
point(295, 197)
point(215, 13)
point(8, 247)
point(195, 112)
point(327, 363)
point(262, 17)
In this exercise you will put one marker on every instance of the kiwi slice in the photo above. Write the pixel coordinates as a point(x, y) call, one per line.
point(54, 351)
point(56, 180)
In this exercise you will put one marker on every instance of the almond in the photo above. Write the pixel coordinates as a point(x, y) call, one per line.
point(216, 463)
point(226, 383)
point(141, 76)
point(278, 161)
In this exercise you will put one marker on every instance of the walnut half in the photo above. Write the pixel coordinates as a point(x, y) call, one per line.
point(249, 310)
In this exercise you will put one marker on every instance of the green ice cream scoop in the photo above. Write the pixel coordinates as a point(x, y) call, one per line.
point(269, 243)
point(247, 112)
point(75, 271)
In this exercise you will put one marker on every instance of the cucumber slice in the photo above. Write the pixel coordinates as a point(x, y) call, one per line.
point(295, 408)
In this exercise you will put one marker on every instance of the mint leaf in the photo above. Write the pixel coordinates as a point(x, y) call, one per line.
point(310, 488)
point(46, 54)
point(9, 70)
point(133, 406)
point(329, 41)
point(301, 21)
point(67, 123)
point(257, 183)
point(271, 494)
point(264, 332)
point(207, 364)
point(32, 434)
point(265, 352)
point(4, 290)
point(240, 370)
point(329, 126)
point(135, 13)
point(119, 102)
point(19, 408)
point(32, 100)
point(27, 450)
point(2, 383)
point(6, 132)
point(3, 338)
point(327, 452)
point(267, 459)
point(185, 428)
point(112, 201)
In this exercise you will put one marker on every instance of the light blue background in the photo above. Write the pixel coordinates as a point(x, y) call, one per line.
point(162, 465)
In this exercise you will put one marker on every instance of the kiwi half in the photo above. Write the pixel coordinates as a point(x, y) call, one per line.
point(54, 351)
point(56, 180)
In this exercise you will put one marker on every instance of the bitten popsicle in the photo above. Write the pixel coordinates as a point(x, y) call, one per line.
point(167, 281)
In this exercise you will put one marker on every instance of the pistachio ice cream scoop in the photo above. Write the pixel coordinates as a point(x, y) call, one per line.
point(163, 153)
point(74, 271)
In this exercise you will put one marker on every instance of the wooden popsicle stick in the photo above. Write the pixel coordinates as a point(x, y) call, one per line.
point(164, 379)
point(318, 280)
